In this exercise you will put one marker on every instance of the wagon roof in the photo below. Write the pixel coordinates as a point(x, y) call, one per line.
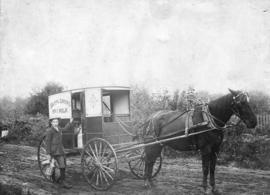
point(113, 88)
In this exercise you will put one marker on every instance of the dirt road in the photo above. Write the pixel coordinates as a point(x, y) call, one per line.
point(177, 176)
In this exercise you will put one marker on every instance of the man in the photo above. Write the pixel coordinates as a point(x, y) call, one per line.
point(55, 147)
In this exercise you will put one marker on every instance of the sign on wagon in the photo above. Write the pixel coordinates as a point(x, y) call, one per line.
point(60, 105)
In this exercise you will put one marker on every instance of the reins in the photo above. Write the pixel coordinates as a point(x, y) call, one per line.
point(225, 125)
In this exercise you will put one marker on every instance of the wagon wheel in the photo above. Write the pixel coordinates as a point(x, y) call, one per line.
point(44, 161)
point(137, 164)
point(99, 164)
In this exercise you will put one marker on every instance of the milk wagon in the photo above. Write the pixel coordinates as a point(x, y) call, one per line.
point(105, 137)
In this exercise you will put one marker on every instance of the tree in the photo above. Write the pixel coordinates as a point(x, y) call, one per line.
point(19, 106)
point(6, 108)
point(38, 101)
point(173, 103)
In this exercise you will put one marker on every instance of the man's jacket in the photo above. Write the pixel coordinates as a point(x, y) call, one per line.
point(54, 140)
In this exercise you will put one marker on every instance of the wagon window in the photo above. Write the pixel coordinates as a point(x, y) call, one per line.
point(76, 101)
point(115, 105)
point(106, 103)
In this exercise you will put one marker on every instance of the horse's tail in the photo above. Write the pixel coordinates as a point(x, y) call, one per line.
point(142, 130)
point(148, 127)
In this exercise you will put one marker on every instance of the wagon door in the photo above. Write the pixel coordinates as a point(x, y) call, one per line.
point(93, 114)
point(78, 112)
point(116, 109)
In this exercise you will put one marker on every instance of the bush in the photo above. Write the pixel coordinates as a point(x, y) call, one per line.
point(27, 130)
point(249, 148)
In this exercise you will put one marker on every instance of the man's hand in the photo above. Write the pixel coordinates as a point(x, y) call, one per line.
point(76, 121)
point(77, 130)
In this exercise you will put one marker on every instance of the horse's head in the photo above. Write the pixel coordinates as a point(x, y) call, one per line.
point(241, 108)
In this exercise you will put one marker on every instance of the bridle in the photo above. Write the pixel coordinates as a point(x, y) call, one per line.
point(237, 99)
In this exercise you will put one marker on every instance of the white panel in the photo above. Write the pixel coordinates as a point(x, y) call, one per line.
point(116, 88)
point(60, 105)
point(93, 102)
point(4, 133)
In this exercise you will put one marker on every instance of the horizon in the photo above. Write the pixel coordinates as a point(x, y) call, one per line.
point(133, 87)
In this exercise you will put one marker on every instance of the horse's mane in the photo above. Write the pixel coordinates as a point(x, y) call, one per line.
point(220, 107)
point(221, 101)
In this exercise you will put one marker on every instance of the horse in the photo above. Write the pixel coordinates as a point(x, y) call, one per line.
point(165, 124)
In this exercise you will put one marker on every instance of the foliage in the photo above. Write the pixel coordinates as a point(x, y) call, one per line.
point(6, 108)
point(144, 104)
point(260, 102)
point(174, 102)
point(11, 110)
point(247, 147)
point(23, 128)
point(27, 130)
point(38, 101)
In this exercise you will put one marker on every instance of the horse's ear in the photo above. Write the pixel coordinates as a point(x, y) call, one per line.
point(234, 93)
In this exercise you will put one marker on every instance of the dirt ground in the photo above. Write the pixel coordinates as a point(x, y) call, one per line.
point(19, 169)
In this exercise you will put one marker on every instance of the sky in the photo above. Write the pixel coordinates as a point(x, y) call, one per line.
point(157, 44)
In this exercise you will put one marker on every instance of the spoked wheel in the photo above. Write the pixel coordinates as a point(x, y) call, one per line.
point(137, 164)
point(44, 161)
point(99, 164)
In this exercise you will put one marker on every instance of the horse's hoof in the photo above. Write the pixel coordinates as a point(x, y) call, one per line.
point(206, 191)
point(204, 186)
point(148, 184)
point(215, 191)
point(147, 187)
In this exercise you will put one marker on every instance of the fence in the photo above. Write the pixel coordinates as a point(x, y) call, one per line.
point(263, 119)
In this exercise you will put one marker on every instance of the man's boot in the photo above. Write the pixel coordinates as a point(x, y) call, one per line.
point(63, 184)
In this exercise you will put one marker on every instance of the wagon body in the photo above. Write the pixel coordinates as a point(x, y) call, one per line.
point(99, 108)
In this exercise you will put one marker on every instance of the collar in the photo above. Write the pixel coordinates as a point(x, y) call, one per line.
point(212, 118)
point(56, 129)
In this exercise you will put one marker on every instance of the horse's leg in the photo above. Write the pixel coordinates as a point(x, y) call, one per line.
point(205, 169)
point(205, 152)
point(148, 173)
point(213, 161)
point(151, 154)
point(212, 169)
